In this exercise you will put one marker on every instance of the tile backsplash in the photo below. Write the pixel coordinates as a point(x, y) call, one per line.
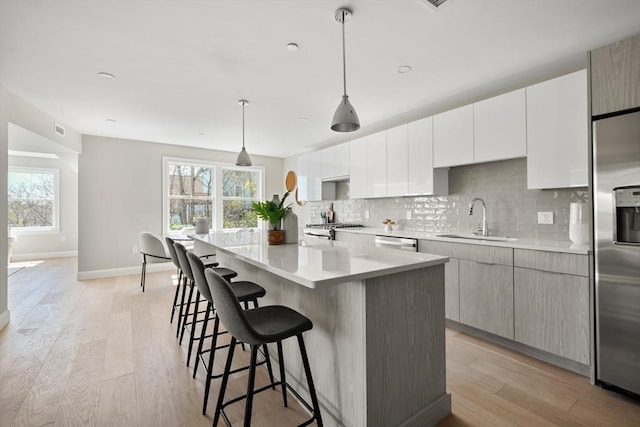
point(512, 209)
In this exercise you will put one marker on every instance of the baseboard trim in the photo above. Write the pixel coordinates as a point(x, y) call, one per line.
point(437, 411)
point(4, 319)
point(124, 271)
point(43, 255)
point(554, 359)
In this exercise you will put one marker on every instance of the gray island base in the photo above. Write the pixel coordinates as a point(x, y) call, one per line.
point(377, 348)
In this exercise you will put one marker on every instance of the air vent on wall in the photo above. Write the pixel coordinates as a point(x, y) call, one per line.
point(434, 4)
point(58, 129)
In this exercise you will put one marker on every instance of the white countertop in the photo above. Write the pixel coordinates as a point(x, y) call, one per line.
point(536, 245)
point(314, 264)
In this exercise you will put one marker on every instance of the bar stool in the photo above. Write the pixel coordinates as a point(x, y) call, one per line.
point(209, 261)
point(152, 251)
point(258, 327)
point(246, 292)
point(183, 317)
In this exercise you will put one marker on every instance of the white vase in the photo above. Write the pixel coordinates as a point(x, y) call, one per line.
point(579, 223)
point(290, 227)
point(202, 226)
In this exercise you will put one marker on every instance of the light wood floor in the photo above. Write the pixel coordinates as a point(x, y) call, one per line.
point(100, 352)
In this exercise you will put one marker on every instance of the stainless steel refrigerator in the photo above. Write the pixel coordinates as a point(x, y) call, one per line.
point(616, 203)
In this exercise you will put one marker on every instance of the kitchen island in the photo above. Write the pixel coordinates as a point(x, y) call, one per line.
point(377, 349)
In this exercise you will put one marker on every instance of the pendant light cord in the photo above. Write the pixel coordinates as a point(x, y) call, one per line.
point(243, 104)
point(344, 59)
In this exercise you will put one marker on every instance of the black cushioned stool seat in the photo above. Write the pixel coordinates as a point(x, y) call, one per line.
point(245, 292)
point(257, 327)
point(226, 273)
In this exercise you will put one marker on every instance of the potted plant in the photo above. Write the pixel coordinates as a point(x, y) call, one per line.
point(273, 211)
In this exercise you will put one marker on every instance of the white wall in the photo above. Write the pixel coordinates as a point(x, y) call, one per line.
point(14, 109)
point(120, 195)
point(64, 242)
point(303, 212)
point(4, 146)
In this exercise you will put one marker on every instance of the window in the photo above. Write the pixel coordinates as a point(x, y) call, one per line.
point(239, 190)
point(192, 191)
point(33, 199)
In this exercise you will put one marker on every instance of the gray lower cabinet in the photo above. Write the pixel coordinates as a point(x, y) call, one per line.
point(551, 303)
point(452, 290)
point(552, 312)
point(486, 297)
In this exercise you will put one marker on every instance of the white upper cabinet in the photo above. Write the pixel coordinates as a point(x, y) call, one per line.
point(315, 177)
point(422, 177)
point(358, 168)
point(341, 160)
point(500, 127)
point(453, 137)
point(397, 161)
point(557, 132)
point(327, 162)
point(303, 177)
point(377, 165)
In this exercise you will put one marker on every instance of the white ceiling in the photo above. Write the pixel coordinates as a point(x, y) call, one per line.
point(181, 66)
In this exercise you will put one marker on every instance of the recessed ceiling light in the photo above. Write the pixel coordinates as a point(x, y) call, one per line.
point(201, 133)
point(112, 121)
point(292, 47)
point(404, 69)
point(107, 76)
point(303, 119)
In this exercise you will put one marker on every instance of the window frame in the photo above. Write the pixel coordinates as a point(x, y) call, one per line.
point(55, 228)
point(216, 173)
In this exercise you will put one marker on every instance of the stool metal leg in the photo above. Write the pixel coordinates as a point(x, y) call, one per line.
point(186, 314)
point(192, 335)
point(183, 286)
point(212, 352)
point(283, 380)
point(225, 379)
point(144, 271)
point(250, 386)
point(312, 389)
point(202, 336)
point(175, 297)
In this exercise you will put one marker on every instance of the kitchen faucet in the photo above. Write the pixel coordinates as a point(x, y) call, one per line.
point(483, 230)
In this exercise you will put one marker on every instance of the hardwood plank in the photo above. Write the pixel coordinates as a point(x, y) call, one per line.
point(79, 403)
point(117, 404)
point(118, 358)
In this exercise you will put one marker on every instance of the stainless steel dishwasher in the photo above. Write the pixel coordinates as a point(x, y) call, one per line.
point(398, 243)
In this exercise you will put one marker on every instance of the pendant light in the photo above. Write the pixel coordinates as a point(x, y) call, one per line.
point(243, 157)
point(345, 119)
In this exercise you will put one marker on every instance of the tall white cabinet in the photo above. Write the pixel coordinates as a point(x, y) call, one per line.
point(377, 165)
point(422, 177)
point(557, 132)
point(397, 161)
point(358, 168)
point(453, 136)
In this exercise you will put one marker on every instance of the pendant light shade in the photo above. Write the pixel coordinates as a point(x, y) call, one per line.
point(243, 157)
point(345, 119)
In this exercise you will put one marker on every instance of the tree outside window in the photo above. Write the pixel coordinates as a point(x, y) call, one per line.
point(32, 198)
point(190, 194)
point(240, 188)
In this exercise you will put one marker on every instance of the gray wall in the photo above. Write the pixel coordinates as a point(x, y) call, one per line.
point(65, 242)
point(120, 195)
point(511, 208)
point(4, 146)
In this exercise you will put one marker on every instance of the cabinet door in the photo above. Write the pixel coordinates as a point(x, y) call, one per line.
point(500, 128)
point(615, 77)
point(358, 168)
point(453, 137)
point(452, 290)
point(557, 125)
point(377, 165)
point(315, 177)
point(397, 161)
point(303, 177)
point(486, 297)
point(341, 160)
point(326, 159)
point(552, 312)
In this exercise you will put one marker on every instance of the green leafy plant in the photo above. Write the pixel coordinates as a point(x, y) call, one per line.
point(272, 212)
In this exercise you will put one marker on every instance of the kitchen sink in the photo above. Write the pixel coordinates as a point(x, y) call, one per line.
point(474, 237)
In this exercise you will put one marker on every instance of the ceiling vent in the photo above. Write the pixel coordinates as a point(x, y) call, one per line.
point(433, 4)
point(58, 129)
